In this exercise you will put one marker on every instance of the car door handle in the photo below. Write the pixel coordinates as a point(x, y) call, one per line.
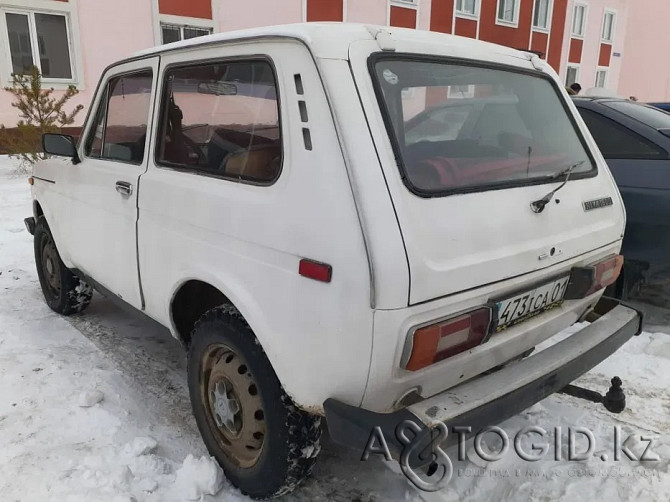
point(124, 188)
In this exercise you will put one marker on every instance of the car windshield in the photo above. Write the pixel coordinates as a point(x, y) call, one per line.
point(463, 128)
point(646, 114)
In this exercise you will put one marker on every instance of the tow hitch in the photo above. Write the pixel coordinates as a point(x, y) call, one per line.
point(614, 400)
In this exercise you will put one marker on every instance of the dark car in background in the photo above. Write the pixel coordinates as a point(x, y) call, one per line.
point(661, 106)
point(635, 140)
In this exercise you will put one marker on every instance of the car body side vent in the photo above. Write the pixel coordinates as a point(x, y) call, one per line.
point(303, 111)
point(302, 107)
point(298, 84)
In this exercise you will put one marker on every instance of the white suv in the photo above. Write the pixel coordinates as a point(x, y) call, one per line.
point(341, 220)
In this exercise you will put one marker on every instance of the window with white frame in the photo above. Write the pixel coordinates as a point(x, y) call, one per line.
point(508, 11)
point(405, 3)
point(608, 26)
point(176, 32)
point(571, 75)
point(40, 39)
point(467, 7)
point(601, 78)
point(542, 14)
point(461, 91)
point(578, 20)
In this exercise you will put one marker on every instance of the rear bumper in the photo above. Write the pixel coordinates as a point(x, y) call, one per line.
point(490, 399)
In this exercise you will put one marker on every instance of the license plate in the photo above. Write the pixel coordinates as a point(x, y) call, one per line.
point(525, 305)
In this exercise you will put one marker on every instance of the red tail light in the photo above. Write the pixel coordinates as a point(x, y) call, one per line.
point(607, 272)
point(585, 281)
point(438, 341)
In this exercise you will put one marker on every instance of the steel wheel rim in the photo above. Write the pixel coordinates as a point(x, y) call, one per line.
point(50, 266)
point(233, 405)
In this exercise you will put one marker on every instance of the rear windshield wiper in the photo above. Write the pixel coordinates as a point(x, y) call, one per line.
point(539, 205)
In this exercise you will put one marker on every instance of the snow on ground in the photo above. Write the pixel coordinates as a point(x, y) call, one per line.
point(95, 408)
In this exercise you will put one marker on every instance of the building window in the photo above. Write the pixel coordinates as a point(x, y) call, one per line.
point(608, 26)
point(578, 20)
point(542, 14)
point(601, 79)
point(176, 32)
point(405, 3)
point(42, 40)
point(460, 91)
point(508, 11)
point(572, 75)
point(467, 7)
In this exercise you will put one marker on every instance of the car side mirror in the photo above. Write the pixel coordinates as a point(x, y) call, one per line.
point(665, 132)
point(60, 144)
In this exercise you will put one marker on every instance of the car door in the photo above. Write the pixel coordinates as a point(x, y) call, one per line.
point(637, 156)
point(98, 212)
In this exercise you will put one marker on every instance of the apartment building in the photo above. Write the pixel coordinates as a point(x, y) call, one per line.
point(589, 41)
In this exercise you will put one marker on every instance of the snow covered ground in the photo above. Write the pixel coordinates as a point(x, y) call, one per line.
point(140, 443)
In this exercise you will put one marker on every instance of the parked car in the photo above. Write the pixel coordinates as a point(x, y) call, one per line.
point(265, 196)
point(661, 106)
point(635, 140)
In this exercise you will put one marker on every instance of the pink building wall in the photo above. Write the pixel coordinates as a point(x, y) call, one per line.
point(589, 63)
point(367, 11)
point(104, 32)
point(107, 32)
point(233, 15)
point(98, 52)
point(646, 73)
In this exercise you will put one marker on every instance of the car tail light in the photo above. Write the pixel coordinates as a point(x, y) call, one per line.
point(607, 272)
point(438, 341)
point(585, 281)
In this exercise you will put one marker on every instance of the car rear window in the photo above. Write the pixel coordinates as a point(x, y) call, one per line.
point(459, 127)
point(649, 115)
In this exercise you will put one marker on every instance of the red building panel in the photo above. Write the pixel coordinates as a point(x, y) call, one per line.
point(435, 96)
point(466, 27)
point(557, 31)
point(193, 8)
point(325, 10)
point(516, 37)
point(605, 55)
point(402, 17)
point(539, 42)
point(441, 16)
point(576, 46)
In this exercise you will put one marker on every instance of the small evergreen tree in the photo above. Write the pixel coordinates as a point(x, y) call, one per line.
point(39, 112)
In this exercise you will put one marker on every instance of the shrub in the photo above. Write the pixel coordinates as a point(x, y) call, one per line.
point(39, 112)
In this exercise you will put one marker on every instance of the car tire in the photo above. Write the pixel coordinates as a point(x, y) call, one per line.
point(264, 443)
point(64, 292)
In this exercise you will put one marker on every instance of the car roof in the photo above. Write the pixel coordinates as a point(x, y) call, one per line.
point(597, 99)
point(332, 40)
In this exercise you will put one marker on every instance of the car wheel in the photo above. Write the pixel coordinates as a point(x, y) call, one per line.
point(264, 443)
point(63, 291)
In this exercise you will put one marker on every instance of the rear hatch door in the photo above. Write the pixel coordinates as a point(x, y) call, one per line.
point(466, 148)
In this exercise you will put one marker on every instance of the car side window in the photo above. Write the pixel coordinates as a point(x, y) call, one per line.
point(618, 142)
point(221, 119)
point(119, 130)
